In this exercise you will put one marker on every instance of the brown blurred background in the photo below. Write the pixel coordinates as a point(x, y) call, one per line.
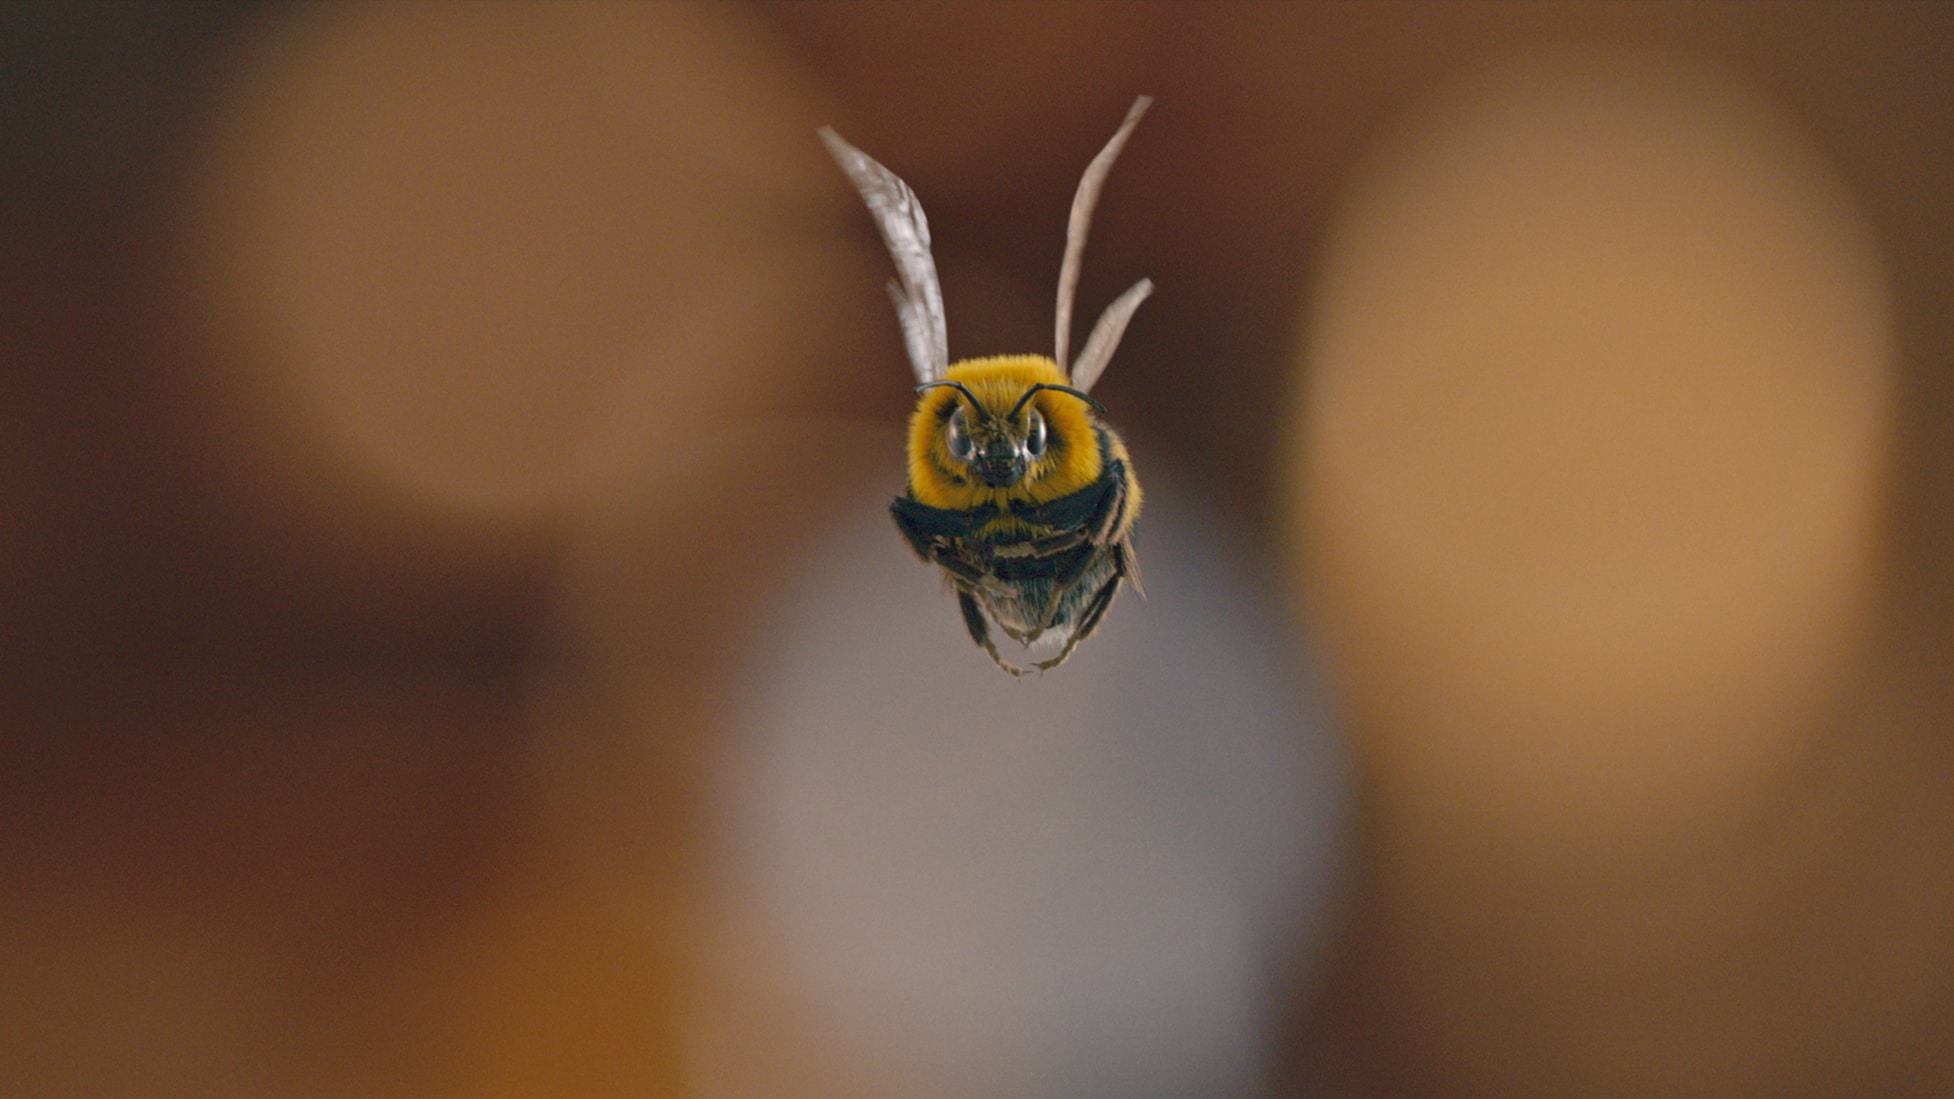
point(410, 412)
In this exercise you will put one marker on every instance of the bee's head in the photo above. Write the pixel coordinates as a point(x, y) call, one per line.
point(998, 449)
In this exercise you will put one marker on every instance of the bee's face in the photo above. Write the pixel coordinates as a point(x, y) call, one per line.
point(995, 450)
point(1001, 431)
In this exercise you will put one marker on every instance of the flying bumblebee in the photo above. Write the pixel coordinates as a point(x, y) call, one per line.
point(1017, 490)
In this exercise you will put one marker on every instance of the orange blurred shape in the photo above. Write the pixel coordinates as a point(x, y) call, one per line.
point(1590, 462)
point(1589, 478)
point(555, 991)
point(483, 253)
point(473, 282)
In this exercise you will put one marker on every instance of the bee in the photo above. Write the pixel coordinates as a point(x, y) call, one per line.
point(1018, 491)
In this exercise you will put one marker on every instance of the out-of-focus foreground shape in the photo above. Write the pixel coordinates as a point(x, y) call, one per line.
point(456, 248)
point(1594, 442)
point(1587, 492)
point(405, 296)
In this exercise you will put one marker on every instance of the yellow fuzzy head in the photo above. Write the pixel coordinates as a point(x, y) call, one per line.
point(1050, 435)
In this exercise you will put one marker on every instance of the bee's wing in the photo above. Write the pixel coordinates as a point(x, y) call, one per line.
point(918, 297)
point(1083, 202)
point(1105, 336)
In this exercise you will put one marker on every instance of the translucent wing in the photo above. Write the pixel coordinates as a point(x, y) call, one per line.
point(1083, 202)
point(1105, 336)
point(917, 295)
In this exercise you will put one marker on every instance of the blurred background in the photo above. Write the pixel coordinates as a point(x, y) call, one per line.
point(451, 643)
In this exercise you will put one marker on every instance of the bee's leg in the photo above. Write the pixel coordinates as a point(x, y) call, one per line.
point(1104, 523)
point(1088, 622)
point(1129, 565)
point(1065, 574)
point(1106, 519)
point(954, 563)
point(980, 632)
point(918, 541)
point(1061, 587)
point(1063, 582)
point(1049, 546)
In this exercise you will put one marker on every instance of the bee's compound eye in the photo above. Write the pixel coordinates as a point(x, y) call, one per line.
point(1034, 435)
point(956, 437)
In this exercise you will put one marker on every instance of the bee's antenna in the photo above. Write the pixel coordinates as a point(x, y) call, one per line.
point(1013, 414)
point(968, 396)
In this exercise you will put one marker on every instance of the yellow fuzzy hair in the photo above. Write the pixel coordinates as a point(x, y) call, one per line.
point(1071, 460)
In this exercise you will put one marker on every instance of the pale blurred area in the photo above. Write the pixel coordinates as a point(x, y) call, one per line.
point(451, 643)
point(1095, 883)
